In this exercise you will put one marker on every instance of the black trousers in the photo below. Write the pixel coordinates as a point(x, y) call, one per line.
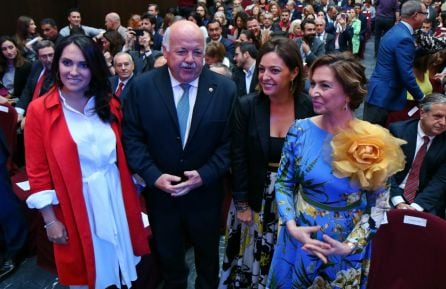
point(175, 224)
point(382, 25)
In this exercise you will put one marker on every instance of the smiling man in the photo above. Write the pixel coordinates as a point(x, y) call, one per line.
point(422, 184)
point(177, 138)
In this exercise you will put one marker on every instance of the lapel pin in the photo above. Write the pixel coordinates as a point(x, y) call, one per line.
point(211, 89)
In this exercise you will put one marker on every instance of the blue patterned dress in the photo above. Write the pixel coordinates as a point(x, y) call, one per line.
point(307, 191)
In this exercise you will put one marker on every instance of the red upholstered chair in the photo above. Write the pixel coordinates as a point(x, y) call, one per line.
point(407, 255)
point(8, 123)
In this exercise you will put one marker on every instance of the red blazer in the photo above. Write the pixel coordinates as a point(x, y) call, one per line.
point(52, 162)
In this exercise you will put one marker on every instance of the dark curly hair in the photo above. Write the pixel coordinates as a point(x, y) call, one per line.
point(99, 85)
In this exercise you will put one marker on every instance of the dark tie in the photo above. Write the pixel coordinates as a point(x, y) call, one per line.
point(119, 90)
point(413, 180)
point(39, 85)
point(183, 111)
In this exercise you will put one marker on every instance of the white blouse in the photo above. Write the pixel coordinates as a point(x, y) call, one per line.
point(96, 146)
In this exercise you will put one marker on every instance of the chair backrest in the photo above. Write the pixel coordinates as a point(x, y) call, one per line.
point(8, 123)
point(409, 252)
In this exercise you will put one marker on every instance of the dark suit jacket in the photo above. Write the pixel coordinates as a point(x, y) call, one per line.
point(239, 79)
point(152, 137)
point(393, 75)
point(157, 41)
point(329, 42)
point(20, 78)
point(143, 64)
point(317, 48)
point(432, 187)
point(114, 81)
point(250, 139)
point(229, 46)
point(28, 91)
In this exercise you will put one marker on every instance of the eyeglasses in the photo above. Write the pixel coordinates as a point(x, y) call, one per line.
point(421, 12)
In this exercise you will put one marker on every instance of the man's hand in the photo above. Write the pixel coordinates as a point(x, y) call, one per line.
point(193, 181)
point(165, 183)
point(305, 47)
point(403, 206)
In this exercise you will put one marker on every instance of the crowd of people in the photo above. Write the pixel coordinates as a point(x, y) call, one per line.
point(257, 98)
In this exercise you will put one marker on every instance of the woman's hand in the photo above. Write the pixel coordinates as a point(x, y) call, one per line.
point(56, 232)
point(245, 216)
point(335, 248)
point(303, 235)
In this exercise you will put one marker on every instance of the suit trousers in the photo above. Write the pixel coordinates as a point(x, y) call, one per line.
point(14, 228)
point(175, 228)
point(382, 25)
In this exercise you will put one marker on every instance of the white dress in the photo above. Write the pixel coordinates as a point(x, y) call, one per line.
point(96, 144)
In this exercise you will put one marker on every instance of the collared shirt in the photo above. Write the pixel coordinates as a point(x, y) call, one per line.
point(408, 26)
point(178, 92)
point(420, 135)
point(124, 82)
point(248, 76)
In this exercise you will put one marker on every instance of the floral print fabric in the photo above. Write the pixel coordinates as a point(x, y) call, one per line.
point(308, 191)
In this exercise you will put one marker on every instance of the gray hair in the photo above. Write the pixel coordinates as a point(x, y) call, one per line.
point(44, 44)
point(166, 40)
point(431, 99)
point(123, 53)
point(410, 7)
point(226, 70)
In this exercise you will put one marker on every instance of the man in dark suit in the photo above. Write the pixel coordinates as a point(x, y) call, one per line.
point(176, 132)
point(310, 46)
point(39, 80)
point(246, 76)
point(430, 192)
point(327, 38)
point(144, 59)
point(268, 23)
point(393, 75)
point(294, 13)
point(148, 22)
point(214, 31)
point(124, 66)
point(330, 19)
point(13, 226)
point(50, 31)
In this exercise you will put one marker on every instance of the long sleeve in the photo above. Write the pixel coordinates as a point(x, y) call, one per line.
point(373, 217)
point(239, 153)
point(286, 175)
point(37, 166)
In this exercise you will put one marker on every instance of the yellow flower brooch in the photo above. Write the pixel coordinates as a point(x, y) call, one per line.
point(367, 153)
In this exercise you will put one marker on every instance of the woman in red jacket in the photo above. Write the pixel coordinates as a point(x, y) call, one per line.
point(78, 175)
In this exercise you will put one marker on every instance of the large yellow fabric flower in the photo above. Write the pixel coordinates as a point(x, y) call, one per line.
point(367, 153)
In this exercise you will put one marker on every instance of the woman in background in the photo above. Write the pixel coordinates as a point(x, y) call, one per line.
point(261, 121)
point(26, 32)
point(78, 174)
point(14, 69)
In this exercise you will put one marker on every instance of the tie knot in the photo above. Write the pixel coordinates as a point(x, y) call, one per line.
point(185, 86)
point(426, 139)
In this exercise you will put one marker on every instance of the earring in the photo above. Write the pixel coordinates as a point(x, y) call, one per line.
point(292, 86)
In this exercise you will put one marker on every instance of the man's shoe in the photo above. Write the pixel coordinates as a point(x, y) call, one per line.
point(6, 268)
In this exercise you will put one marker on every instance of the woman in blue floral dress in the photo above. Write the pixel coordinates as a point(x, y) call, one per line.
point(330, 184)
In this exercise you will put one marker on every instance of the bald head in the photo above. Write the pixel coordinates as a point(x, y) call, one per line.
point(183, 48)
point(112, 21)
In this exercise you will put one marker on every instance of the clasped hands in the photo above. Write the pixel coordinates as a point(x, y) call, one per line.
point(321, 249)
point(173, 185)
